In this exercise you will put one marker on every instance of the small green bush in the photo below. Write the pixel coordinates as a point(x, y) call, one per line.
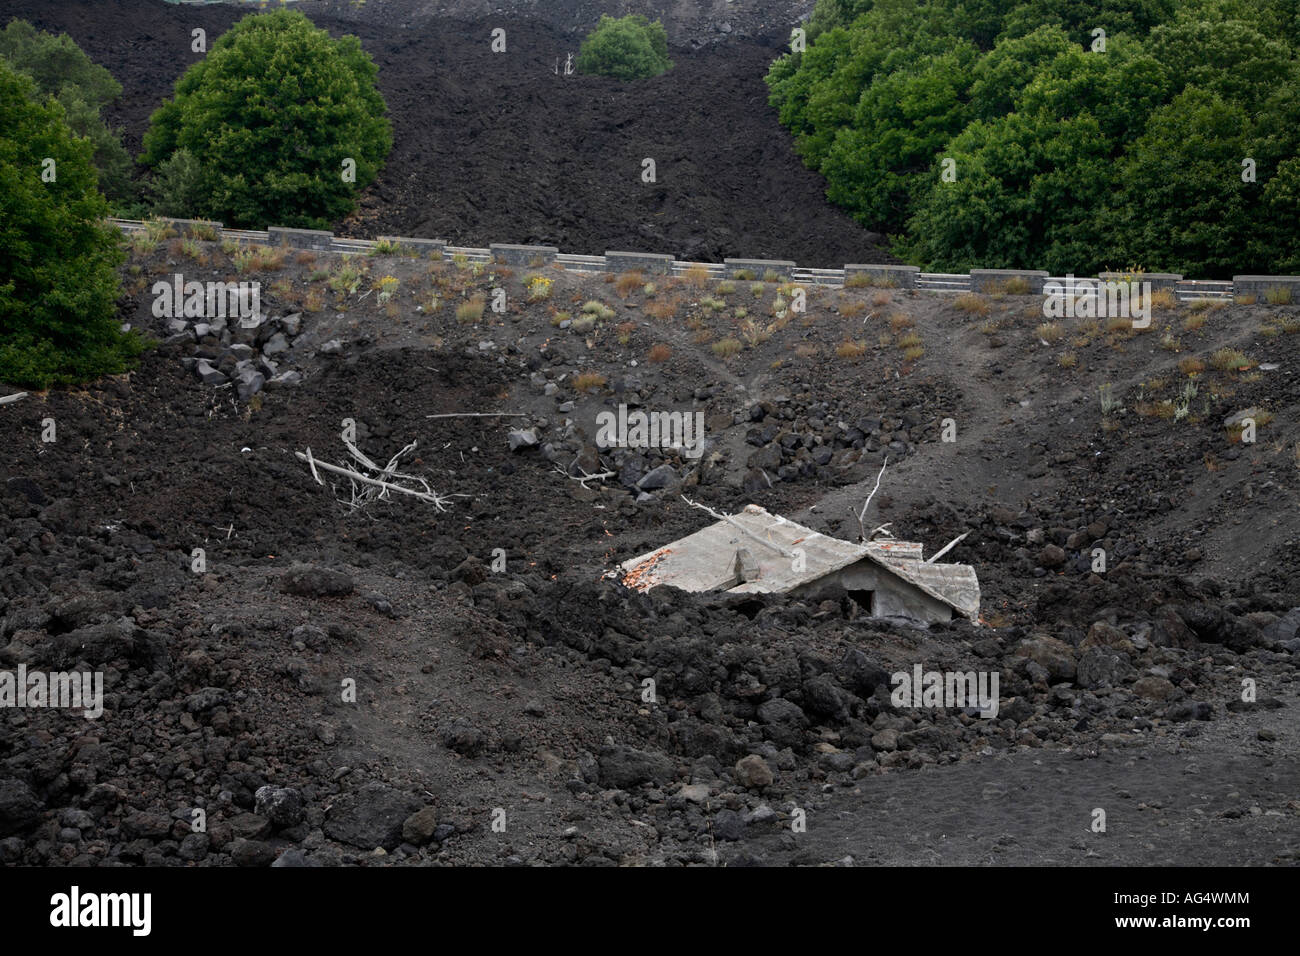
point(627, 48)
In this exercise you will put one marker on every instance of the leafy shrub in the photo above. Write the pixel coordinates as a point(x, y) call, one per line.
point(539, 288)
point(627, 48)
point(58, 258)
point(271, 117)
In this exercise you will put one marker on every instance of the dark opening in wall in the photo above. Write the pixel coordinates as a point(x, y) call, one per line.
point(864, 600)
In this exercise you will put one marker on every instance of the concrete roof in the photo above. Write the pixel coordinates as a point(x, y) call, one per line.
point(703, 561)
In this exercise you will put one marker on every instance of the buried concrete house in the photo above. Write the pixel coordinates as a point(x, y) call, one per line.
point(758, 552)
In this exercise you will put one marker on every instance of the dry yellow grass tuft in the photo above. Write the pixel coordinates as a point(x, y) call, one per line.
point(971, 304)
point(849, 349)
point(662, 308)
point(697, 276)
point(587, 381)
point(1230, 360)
point(629, 282)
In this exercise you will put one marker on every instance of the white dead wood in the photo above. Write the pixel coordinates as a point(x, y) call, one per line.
point(480, 415)
point(370, 482)
point(884, 528)
point(311, 463)
point(739, 527)
point(585, 477)
point(16, 397)
point(434, 499)
point(862, 533)
point(946, 548)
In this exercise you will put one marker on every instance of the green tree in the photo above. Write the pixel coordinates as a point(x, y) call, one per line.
point(58, 257)
point(902, 120)
point(627, 48)
point(274, 117)
point(1180, 204)
point(60, 69)
point(1078, 18)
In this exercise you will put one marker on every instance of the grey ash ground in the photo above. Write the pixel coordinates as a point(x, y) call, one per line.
point(522, 690)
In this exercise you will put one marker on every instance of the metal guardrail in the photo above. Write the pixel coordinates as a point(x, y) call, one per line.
point(245, 235)
point(942, 282)
point(577, 263)
point(833, 278)
point(714, 270)
point(1189, 290)
point(1185, 290)
point(469, 252)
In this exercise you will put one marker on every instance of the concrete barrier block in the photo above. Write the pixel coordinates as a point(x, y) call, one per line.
point(757, 268)
point(526, 256)
point(1283, 289)
point(886, 276)
point(652, 263)
point(995, 280)
point(315, 239)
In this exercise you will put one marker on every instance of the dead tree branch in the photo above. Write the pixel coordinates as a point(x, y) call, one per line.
point(946, 548)
point(15, 397)
point(584, 477)
point(480, 415)
point(376, 486)
point(862, 531)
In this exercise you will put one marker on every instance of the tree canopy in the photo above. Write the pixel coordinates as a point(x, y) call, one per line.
point(279, 125)
point(59, 68)
point(1075, 135)
point(627, 48)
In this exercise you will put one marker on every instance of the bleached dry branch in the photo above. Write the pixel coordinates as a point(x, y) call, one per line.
point(584, 477)
point(946, 548)
point(15, 397)
point(862, 532)
point(373, 487)
point(480, 415)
